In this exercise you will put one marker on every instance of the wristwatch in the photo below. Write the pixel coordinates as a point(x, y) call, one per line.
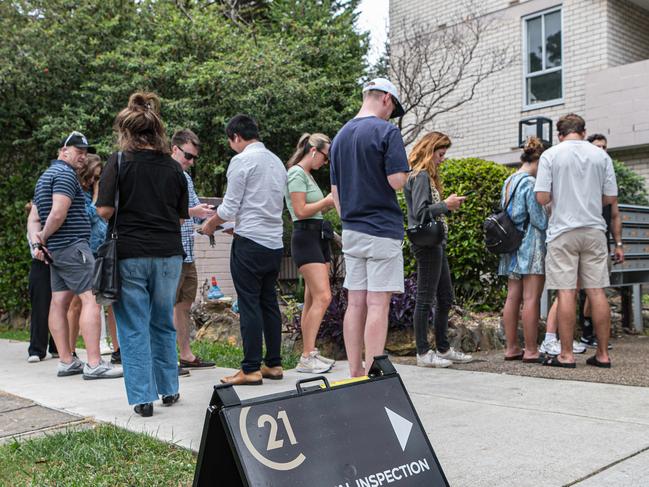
point(35, 246)
point(619, 244)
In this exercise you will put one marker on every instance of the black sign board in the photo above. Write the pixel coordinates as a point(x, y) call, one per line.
point(359, 434)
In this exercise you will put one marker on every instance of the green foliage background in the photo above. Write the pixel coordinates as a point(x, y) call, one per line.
point(295, 65)
point(631, 186)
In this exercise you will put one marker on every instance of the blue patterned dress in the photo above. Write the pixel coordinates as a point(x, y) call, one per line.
point(530, 256)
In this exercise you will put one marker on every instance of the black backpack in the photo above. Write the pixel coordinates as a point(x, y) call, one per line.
point(500, 234)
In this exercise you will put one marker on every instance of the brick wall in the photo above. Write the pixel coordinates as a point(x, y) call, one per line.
point(628, 33)
point(214, 262)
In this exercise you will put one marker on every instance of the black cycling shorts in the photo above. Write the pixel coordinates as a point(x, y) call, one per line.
point(308, 247)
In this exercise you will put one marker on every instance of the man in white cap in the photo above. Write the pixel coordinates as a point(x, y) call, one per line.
point(368, 166)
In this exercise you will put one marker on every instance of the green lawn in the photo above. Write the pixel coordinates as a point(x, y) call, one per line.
point(224, 354)
point(102, 456)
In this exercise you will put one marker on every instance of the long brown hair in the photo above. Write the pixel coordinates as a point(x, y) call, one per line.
point(421, 157)
point(86, 173)
point(304, 145)
point(139, 125)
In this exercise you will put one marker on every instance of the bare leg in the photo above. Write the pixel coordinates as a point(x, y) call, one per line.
point(587, 310)
point(90, 324)
point(181, 322)
point(510, 316)
point(567, 299)
point(601, 321)
point(58, 323)
point(316, 278)
point(353, 330)
point(112, 328)
point(552, 323)
point(376, 325)
point(74, 312)
point(532, 289)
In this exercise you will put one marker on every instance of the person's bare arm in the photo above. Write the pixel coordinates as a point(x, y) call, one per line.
point(210, 225)
point(609, 200)
point(397, 180)
point(334, 193)
point(106, 212)
point(616, 230)
point(33, 223)
point(60, 206)
point(304, 210)
point(543, 197)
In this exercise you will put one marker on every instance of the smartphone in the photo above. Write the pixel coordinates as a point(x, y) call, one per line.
point(46, 254)
point(469, 193)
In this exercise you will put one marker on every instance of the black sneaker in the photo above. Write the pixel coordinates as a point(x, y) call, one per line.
point(170, 400)
point(145, 410)
point(591, 342)
point(116, 357)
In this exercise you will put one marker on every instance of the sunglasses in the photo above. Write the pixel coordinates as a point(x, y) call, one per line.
point(188, 155)
point(326, 156)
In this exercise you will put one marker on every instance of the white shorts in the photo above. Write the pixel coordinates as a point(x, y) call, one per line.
point(372, 263)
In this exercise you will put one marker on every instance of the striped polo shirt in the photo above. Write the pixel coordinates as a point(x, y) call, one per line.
point(62, 179)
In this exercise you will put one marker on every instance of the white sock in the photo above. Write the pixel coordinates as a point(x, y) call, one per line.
point(550, 336)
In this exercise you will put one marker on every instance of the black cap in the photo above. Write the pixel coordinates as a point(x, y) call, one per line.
point(77, 139)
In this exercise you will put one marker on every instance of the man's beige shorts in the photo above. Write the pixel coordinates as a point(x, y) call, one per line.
point(578, 254)
point(187, 284)
point(372, 263)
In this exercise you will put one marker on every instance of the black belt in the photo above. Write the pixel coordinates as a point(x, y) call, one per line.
point(308, 225)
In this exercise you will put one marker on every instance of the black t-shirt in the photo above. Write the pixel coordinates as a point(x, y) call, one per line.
point(152, 199)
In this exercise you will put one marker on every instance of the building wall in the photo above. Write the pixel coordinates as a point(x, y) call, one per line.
point(214, 262)
point(628, 33)
point(636, 159)
point(488, 125)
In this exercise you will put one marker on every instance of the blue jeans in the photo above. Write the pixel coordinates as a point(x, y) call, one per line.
point(145, 326)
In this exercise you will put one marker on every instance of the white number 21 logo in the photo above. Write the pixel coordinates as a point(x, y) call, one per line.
point(274, 443)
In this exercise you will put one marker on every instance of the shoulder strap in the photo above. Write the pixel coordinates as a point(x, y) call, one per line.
point(119, 164)
point(511, 197)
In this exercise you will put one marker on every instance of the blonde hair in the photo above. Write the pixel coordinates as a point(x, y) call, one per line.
point(304, 145)
point(421, 157)
point(86, 173)
point(139, 124)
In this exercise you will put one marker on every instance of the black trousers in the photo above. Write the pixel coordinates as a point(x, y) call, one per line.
point(434, 290)
point(254, 271)
point(40, 295)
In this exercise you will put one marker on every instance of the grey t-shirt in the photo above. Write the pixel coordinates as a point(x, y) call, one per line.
point(577, 174)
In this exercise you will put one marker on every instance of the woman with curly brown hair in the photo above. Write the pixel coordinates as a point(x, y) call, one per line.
point(152, 201)
point(423, 192)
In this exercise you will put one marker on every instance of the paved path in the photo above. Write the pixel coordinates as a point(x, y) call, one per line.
point(487, 429)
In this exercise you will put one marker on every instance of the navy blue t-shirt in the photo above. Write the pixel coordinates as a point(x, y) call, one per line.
point(363, 154)
point(62, 179)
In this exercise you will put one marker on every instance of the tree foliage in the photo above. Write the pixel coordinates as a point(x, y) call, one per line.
point(293, 64)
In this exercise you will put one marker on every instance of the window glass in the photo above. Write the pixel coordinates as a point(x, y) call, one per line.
point(535, 44)
point(543, 67)
point(545, 87)
point(553, 40)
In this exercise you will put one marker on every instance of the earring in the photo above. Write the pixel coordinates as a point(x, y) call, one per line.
point(312, 155)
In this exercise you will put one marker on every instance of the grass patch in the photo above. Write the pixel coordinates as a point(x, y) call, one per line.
point(22, 335)
point(227, 355)
point(102, 456)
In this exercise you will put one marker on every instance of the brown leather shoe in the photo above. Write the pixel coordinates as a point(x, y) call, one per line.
point(272, 373)
point(243, 379)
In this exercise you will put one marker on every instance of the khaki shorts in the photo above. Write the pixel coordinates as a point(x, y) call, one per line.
point(578, 254)
point(187, 284)
point(372, 263)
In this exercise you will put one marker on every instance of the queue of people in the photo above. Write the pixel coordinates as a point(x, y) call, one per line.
point(146, 196)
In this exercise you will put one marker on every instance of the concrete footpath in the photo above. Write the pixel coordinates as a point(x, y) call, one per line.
point(487, 429)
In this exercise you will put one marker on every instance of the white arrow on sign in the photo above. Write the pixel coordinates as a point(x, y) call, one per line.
point(401, 426)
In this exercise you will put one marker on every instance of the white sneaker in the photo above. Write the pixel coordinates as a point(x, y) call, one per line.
point(105, 348)
point(578, 347)
point(103, 370)
point(431, 359)
point(550, 347)
point(73, 368)
point(455, 356)
point(322, 358)
point(32, 359)
point(312, 365)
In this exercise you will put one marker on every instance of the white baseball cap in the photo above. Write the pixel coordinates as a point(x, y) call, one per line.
point(382, 84)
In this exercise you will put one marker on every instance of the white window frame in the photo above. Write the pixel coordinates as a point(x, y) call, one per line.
point(527, 75)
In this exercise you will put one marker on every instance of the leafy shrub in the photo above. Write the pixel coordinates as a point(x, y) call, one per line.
point(630, 185)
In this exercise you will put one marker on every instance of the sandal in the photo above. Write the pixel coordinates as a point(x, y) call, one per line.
point(596, 363)
point(515, 357)
point(536, 360)
point(554, 362)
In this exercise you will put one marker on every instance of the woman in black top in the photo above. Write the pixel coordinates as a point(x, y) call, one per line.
point(423, 192)
point(152, 201)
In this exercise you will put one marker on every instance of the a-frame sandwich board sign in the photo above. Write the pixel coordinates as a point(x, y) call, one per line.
point(361, 433)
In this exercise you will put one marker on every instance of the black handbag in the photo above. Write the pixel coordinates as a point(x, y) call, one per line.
point(429, 233)
point(105, 279)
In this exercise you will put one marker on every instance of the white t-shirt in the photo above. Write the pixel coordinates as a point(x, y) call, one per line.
point(577, 174)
